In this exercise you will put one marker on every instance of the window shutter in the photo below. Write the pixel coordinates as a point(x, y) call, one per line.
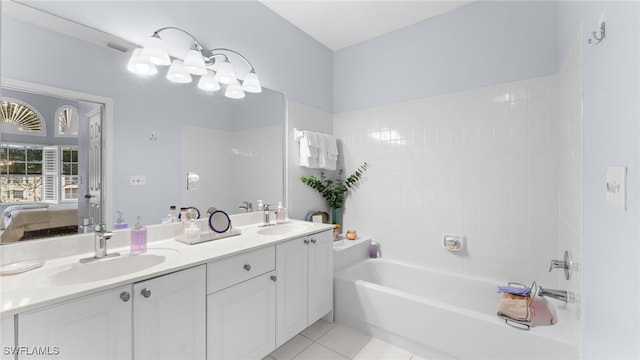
point(50, 174)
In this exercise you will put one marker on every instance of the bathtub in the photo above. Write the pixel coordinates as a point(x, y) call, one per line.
point(435, 314)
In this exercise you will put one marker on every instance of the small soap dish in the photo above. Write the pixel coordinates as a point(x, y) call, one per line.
point(453, 242)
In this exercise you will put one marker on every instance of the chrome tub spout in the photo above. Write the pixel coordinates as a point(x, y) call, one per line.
point(552, 293)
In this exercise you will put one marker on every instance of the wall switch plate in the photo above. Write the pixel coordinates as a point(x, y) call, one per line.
point(137, 180)
point(617, 186)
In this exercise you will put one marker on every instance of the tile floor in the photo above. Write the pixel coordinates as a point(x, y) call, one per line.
point(325, 341)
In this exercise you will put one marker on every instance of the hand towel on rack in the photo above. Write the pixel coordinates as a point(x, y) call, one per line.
point(332, 148)
point(309, 149)
point(324, 160)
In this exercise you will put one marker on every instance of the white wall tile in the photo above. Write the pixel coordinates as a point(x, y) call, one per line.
point(483, 163)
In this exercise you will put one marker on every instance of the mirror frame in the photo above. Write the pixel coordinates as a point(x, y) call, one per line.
point(107, 132)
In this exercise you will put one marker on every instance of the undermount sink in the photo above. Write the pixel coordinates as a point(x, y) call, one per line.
point(107, 268)
point(283, 229)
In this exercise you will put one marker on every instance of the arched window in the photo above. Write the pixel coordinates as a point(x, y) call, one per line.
point(67, 121)
point(18, 117)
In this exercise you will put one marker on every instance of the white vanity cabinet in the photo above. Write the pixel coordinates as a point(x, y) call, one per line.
point(241, 307)
point(304, 290)
point(92, 327)
point(7, 338)
point(158, 318)
point(168, 316)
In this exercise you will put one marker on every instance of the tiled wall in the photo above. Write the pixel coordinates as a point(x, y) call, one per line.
point(236, 168)
point(570, 189)
point(480, 163)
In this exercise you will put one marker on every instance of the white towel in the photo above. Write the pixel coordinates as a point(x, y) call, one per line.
point(309, 150)
point(325, 159)
point(332, 148)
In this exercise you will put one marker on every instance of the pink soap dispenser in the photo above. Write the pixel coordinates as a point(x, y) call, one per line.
point(139, 238)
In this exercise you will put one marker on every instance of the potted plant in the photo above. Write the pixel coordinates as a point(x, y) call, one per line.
point(335, 191)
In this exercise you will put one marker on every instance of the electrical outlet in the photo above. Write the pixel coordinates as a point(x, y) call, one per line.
point(617, 187)
point(137, 180)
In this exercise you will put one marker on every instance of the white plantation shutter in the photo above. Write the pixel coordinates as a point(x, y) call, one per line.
point(50, 174)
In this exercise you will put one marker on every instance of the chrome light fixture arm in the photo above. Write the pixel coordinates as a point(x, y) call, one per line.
point(214, 54)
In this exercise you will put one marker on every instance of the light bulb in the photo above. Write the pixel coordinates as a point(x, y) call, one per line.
point(139, 65)
point(208, 82)
point(155, 51)
point(251, 83)
point(177, 73)
point(194, 63)
point(225, 74)
point(234, 91)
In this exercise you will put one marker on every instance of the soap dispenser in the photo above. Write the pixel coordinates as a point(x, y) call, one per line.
point(139, 238)
point(120, 223)
point(281, 214)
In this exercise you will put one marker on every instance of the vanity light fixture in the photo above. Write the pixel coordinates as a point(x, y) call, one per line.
point(213, 66)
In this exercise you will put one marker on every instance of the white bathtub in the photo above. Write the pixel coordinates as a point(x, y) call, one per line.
point(435, 314)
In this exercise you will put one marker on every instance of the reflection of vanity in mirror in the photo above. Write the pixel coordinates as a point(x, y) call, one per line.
point(154, 130)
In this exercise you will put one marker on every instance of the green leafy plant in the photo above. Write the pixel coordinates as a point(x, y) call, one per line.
point(335, 190)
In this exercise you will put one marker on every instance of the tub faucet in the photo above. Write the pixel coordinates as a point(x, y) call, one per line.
point(565, 264)
point(552, 293)
point(101, 236)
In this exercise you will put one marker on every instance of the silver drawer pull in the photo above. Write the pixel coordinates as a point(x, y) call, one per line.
point(274, 278)
point(145, 292)
point(125, 296)
point(313, 241)
point(306, 241)
point(247, 267)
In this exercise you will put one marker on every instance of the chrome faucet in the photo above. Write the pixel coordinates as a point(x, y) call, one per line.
point(246, 206)
point(552, 293)
point(101, 236)
point(564, 264)
point(266, 221)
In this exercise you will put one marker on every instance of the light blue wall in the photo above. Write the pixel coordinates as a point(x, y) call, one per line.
point(484, 43)
point(611, 132)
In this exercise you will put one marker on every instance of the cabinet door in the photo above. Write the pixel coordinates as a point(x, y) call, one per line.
point(291, 289)
point(7, 339)
point(93, 327)
point(320, 275)
point(169, 316)
point(241, 320)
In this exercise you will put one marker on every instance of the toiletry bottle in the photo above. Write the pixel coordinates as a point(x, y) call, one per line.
point(138, 238)
point(260, 205)
point(172, 214)
point(281, 214)
point(183, 213)
point(120, 223)
point(191, 229)
point(374, 251)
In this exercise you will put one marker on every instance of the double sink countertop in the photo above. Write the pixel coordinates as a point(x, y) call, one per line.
point(64, 278)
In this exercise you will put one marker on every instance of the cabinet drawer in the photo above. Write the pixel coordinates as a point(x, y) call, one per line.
point(235, 269)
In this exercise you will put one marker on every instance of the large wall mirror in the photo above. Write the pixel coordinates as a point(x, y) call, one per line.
point(157, 131)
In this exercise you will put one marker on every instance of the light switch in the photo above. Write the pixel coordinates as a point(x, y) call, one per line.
point(617, 186)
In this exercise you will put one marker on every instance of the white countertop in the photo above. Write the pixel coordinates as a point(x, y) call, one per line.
point(33, 289)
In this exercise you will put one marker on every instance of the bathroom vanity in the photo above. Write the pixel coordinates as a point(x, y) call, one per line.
point(239, 297)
